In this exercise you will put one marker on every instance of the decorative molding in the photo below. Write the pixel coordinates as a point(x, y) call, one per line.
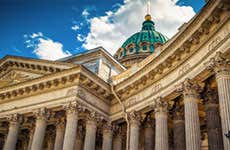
point(14, 118)
point(219, 64)
point(134, 118)
point(161, 105)
point(189, 88)
point(42, 114)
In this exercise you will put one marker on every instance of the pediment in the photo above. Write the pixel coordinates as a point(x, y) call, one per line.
point(17, 76)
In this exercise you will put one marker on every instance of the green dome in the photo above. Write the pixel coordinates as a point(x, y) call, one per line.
point(147, 34)
point(141, 44)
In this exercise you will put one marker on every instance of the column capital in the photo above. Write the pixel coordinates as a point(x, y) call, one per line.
point(149, 122)
point(161, 105)
point(190, 88)
point(42, 114)
point(211, 96)
point(178, 114)
point(117, 130)
point(93, 117)
point(219, 64)
point(14, 118)
point(134, 117)
point(73, 107)
point(107, 127)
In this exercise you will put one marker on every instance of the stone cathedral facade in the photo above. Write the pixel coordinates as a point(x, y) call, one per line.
point(155, 93)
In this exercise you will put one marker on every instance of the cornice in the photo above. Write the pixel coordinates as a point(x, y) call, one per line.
point(74, 76)
point(29, 64)
point(26, 59)
point(171, 54)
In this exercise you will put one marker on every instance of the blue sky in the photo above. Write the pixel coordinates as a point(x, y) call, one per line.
point(51, 29)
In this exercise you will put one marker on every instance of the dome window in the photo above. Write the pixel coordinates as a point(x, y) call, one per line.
point(144, 48)
point(121, 54)
point(131, 50)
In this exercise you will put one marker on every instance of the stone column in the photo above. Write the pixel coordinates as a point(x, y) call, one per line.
point(192, 124)
point(215, 140)
point(161, 129)
point(134, 123)
point(117, 140)
point(149, 134)
point(42, 115)
point(31, 133)
point(221, 66)
point(12, 136)
point(90, 135)
point(107, 137)
point(178, 128)
point(71, 126)
point(80, 137)
point(60, 131)
point(50, 143)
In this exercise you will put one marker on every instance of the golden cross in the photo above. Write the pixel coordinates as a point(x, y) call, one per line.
point(148, 6)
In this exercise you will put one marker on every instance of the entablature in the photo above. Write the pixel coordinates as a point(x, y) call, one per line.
point(31, 65)
point(74, 76)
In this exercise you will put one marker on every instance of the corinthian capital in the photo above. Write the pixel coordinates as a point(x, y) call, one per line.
point(190, 88)
point(211, 96)
point(14, 118)
point(73, 107)
point(134, 117)
point(178, 113)
point(42, 114)
point(161, 105)
point(219, 63)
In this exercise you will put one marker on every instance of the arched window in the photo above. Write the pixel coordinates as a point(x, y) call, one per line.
point(131, 50)
point(144, 47)
point(121, 54)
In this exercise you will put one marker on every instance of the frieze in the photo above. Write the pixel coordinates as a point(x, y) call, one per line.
point(142, 95)
point(156, 87)
point(184, 69)
point(214, 43)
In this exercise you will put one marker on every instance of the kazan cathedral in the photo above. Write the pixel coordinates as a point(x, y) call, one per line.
point(155, 93)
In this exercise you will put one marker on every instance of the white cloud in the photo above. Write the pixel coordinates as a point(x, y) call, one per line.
point(50, 50)
point(35, 35)
point(85, 13)
point(75, 27)
point(80, 38)
point(111, 30)
point(45, 48)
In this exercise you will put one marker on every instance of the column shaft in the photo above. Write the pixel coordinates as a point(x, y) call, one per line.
point(39, 134)
point(59, 138)
point(117, 142)
point(70, 131)
point(223, 82)
point(161, 137)
point(179, 135)
point(192, 124)
point(215, 140)
point(149, 138)
point(107, 139)
point(90, 136)
point(134, 136)
point(30, 139)
point(12, 136)
point(79, 144)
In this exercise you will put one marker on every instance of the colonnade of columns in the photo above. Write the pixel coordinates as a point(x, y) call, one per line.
point(186, 123)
